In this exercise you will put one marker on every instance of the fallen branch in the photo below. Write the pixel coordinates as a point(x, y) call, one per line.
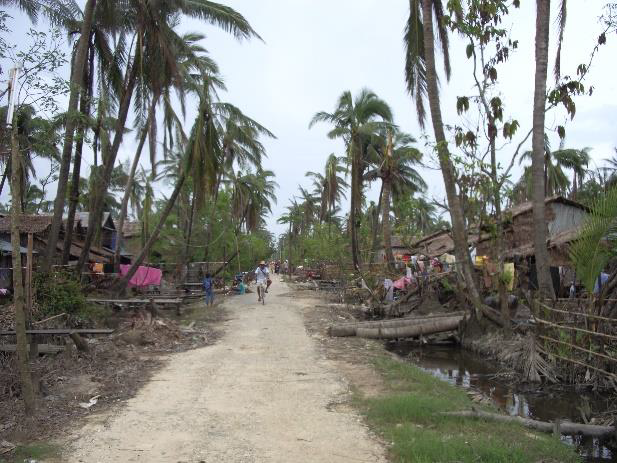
point(49, 319)
point(564, 427)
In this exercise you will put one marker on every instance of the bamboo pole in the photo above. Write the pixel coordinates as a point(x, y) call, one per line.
point(582, 314)
point(580, 330)
point(612, 359)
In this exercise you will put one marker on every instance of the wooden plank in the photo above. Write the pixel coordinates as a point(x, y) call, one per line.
point(61, 331)
point(136, 301)
point(42, 348)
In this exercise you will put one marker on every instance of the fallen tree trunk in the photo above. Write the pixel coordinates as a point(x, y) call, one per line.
point(349, 329)
point(564, 427)
point(412, 329)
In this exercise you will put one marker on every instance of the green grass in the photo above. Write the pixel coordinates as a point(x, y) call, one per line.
point(408, 417)
point(36, 451)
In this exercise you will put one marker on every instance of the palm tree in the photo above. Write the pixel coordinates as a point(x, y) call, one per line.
point(543, 19)
point(78, 70)
point(152, 23)
point(330, 187)
point(555, 179)
point(355, 120)
point(241, 147)
point(422, 82)
point(37, 137)
point(158, 77)
point(395, 158)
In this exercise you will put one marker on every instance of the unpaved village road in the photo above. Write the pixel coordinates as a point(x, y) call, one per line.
point(260, 394)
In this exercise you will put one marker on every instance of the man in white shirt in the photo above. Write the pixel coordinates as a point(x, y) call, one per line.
point(262, 278)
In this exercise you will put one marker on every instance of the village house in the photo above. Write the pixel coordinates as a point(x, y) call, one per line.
point(131, 238)
point(399, 250)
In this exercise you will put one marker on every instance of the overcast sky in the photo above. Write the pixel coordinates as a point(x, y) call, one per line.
point(313, 50)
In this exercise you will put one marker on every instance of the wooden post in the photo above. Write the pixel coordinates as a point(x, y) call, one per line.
point(29, 279)
point(224, 263)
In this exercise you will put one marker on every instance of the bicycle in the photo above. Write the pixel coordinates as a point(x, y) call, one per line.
point(261, 293)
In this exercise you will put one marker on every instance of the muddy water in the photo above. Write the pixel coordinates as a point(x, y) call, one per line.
point(470, 371)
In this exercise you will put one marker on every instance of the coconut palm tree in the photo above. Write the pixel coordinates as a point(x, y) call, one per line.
point(355, 120)
point(329, 186)
point(154, 81)
point(555, 179)
point(543, 20)
point(152, 24)
point(395, 157)
point(422, 83)
point(78, 70)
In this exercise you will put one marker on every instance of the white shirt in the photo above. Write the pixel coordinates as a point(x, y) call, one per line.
point(261, 275)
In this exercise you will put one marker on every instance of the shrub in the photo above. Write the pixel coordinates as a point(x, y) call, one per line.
point(58, 292)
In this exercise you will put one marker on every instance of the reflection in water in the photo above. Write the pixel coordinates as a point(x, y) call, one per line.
point(470, 371)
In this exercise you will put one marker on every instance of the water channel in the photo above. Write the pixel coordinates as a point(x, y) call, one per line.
point(470, 371)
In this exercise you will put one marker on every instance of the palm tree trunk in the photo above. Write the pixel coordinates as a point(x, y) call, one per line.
point(84, 108)
point(375, 226)
point(385, 219)
point(18, 288)
point(71, 121)
point(459, 233)
point(210, 223)
point(545, 284)
point(189, 232)
point(356, 186)
point(129, 184)
point(123, 282)
point(108, 160)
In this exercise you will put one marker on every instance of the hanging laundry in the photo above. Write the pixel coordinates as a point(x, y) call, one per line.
point(144, 276)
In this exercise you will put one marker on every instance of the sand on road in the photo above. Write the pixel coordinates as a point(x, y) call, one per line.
point(262, 393)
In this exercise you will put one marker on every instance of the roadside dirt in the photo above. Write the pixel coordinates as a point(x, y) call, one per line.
point(266, 392)
point(113, 370)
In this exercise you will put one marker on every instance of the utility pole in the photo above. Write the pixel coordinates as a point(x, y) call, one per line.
point(18, 285)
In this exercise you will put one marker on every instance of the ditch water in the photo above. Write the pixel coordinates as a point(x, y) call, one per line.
point(470, 371)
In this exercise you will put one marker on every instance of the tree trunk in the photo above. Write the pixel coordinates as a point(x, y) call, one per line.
point(129, 185)
point(5, 174)
point(375, 227)
point(65, 161)
point(356, 185)
point(413, 329)
point(385, 204)
point(189, 233)
point(565, 427)
point(123, 282)
point(84, 108)
point(459, 232)
point(349, 329)
point(545, 284)
point(385, 219)
point(108, 160)
point(27, 388)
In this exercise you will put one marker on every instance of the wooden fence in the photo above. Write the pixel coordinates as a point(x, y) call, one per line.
point(571, 332)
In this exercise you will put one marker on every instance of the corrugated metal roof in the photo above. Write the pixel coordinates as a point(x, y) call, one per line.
point(27, 223)
point(6, 246)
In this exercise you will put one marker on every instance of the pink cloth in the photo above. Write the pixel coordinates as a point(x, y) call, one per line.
point(402, 282)
point(144, 276)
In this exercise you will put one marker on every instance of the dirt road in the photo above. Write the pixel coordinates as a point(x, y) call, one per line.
point(261, 394)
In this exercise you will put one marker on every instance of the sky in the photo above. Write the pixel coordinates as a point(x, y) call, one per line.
point(313, 50)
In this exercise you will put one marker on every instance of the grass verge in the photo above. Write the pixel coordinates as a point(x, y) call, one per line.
point(36, 451)
point(408, 417)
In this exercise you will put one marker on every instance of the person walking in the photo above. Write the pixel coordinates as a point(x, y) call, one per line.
point(262, 278)
point(209, 289)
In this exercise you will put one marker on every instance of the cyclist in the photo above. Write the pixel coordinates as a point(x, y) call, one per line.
point(262, 275)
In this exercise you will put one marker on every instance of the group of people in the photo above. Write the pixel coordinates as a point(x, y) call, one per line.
point(262, 280)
